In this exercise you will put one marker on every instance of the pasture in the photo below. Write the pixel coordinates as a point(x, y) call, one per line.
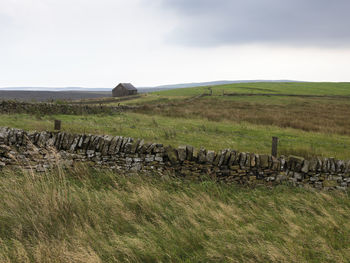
point(82, 214)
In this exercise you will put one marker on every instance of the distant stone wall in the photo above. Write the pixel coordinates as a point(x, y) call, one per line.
point(40, 150)
point(11, 107)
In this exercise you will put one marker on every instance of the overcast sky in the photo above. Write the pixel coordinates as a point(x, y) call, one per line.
point(99, 43)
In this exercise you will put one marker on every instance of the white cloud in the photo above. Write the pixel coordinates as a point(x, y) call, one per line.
point(98, 43)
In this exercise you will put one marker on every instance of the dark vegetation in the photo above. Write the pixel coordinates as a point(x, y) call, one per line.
point(42, 96)
point(12, 107)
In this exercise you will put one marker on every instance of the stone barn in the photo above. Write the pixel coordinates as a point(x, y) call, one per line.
point(124, 89)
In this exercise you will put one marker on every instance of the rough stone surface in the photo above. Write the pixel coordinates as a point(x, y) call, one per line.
point(40, 151)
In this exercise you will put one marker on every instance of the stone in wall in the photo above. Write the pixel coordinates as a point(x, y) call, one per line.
point(127, 154)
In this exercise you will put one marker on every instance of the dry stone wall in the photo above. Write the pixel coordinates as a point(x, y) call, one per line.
point(41, 149)
point(11, 107)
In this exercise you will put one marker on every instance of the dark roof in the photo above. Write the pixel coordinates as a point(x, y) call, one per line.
point(127, 86)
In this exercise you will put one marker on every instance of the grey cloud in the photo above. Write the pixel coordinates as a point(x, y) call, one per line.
point(288, 22)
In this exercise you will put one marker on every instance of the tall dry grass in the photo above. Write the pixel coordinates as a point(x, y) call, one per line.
point(318, 115)
point(87, 215)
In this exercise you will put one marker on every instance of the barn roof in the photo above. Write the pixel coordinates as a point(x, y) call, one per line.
point(127, 86)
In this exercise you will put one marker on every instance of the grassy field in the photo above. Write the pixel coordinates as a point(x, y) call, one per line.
point(306, 126)
point(298, 88)
point(86, 215)
point(197, 132)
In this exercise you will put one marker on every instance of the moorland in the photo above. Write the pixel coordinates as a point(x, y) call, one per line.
point(84, 214)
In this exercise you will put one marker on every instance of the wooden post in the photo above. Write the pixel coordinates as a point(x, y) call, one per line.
point(57, 125)
point(274, 146)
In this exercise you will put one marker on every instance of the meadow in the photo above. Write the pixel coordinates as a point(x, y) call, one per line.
point(306, 126)
point(87, 215)
point(82, 214)
point(175, 131)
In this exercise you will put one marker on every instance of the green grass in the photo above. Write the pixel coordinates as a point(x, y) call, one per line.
point(86, 215)
point(196, 132)
point(299, 88)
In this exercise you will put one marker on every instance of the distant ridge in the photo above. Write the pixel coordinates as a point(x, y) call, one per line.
point(210, 83)
point(144, 89)
point(53, 89)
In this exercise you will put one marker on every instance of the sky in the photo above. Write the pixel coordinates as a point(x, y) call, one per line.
point(99, 43)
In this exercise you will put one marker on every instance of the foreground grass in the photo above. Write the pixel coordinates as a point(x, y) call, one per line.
point(87, 215)
point(176, 131)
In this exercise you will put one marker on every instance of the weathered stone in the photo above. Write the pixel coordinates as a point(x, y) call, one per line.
point(252, 160)
point(296, 162)
point(86, 142)
point(189, 150)
point(151, 147)
point(128, 161)
point(181, 151)
point(217, 158)
point(232, 159)
point(127, 148)
point(330, 183)
point(90, 153)
point(123, 143)
point(319, 165)
point(298, 176)
point(210, 157)
point(264, 161)
point(93, 142)
point(313, 164)
point(314, 179)
point(281, 177)
point(158, 149)
point(74, 143)
point(305, 167)
point(247, 161)
point(222, 158)
point(119, 144)
point(202, 155)
point(158, 159)
point(80, 143)
point(242, 159)
point(340, 166)
point(325, 165)
point(332, 167)
point(227, 157)
point(136, 167)
point(347, 167)
point(195, 154)
point(134, 146)
point(275, 164)
point(172, 154)
point(140, 145)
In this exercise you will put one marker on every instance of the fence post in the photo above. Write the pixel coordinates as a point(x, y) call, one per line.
point(274, 146)
point(57, 125)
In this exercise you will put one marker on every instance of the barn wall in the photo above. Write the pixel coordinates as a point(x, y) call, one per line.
point(120, 91)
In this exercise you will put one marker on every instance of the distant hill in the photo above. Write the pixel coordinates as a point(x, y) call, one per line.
point(143, 89)
point(56, 89)
point(202, 84)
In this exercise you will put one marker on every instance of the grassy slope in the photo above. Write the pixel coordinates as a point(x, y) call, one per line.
point(94, 216)
point(197, 132)
point(305, 126)
point(299, 88)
